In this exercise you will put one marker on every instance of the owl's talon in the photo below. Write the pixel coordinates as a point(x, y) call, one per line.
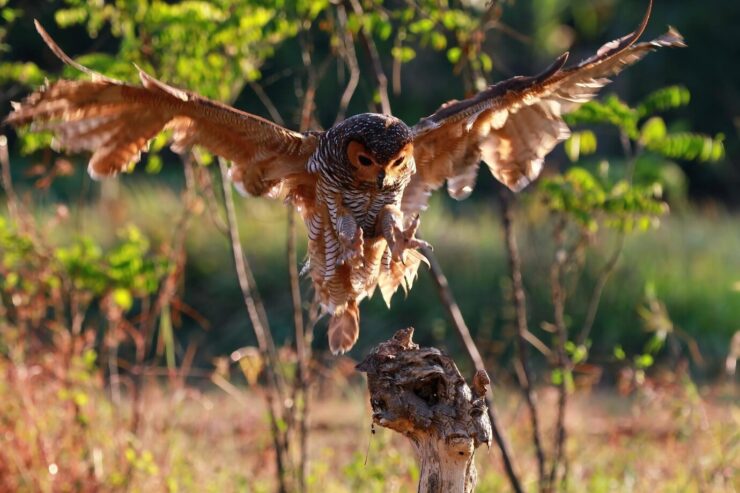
point(403, 240)
point(351, 247)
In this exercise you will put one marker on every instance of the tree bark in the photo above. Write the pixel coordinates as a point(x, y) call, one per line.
point(420, 393)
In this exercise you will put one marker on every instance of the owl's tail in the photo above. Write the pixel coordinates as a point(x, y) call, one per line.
point(344, 328)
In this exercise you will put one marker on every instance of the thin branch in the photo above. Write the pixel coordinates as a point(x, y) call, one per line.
point(515, 267)
point(177, 251)
point(562, 363)
point(396, 69)
point(267, 102)
point(453, 311)
point(381, 80)
point(632, 153)
point(5, 178)
point(205, 183)
point(300, 389)
point(350, 56)
point(603, 277)
point(264, 339)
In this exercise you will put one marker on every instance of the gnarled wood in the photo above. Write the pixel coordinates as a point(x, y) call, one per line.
point(419, 392)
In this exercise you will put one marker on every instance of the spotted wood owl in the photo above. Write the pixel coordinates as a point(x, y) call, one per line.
point(360, 185)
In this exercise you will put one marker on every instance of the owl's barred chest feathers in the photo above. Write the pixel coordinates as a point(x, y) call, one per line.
point(364, 203)
point(362, 167)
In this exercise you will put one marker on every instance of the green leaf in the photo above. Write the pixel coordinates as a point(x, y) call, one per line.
point(580, 144)
point(403, 53)
point(384, 29)
point(168, 337)
point(438, 40)
point(690, 146)
point(421, 26)
point(556, 376)
point(486, 62)
point(154, 163)
point(123, 298)
point(653, 130)
point(644, 361)
point(610, 111)
point(26, 73)
point(69, 17)
point(454, 54)
point(619, 353)
point(664, 99)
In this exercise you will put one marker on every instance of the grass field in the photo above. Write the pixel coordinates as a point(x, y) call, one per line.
point(670, 436)
point(692, 261)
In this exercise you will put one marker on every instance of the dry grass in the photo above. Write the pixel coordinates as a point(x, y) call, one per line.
point(65, 434)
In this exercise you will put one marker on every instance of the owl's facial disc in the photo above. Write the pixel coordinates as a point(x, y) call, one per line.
point(369, 169)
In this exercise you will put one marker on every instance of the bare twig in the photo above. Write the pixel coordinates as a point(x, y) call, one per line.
point(205, 183)
point(515, 268)
point(453, 310)
point(562, 363)
point(300, 389)
point(603, 277)
point(350, 56)
point(267, 102)
point(396, 69)
point(5, 179)
point(275, 390)
point(632, 153)
point(307, 117)
point(381, 80)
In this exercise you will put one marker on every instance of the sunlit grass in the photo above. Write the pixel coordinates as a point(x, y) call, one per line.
point(692, 260)
point(71, 437)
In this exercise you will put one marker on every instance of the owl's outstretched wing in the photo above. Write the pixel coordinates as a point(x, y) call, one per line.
point(116, 122)
point(514, 124)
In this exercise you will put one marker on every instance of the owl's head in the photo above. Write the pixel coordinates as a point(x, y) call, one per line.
point(379, 149)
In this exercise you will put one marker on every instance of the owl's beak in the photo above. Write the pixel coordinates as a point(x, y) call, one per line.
point(381, 178)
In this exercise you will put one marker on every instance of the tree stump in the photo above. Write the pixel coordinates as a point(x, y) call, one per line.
point(420, 393)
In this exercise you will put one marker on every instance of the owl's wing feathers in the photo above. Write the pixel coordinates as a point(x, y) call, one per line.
point(116, 122)
point(514, 124)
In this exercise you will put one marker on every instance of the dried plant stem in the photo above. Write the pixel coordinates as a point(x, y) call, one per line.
point(603, 277)
point(350, 57)
point(267, 102)
point(303, 353)
point(381, 81)
point(631, 153)
point(515, 268)
point(274, 391)
point(6, 181)
point(453, 311)
point(562, 361)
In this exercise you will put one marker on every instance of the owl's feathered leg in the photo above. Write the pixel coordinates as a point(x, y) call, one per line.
point(352, 246)
point(349, 234)
point(344, 328)
point(399, 239)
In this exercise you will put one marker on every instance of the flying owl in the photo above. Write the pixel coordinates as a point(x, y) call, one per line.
point(359, 185)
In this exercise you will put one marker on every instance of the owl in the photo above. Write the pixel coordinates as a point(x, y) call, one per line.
point(360, 185)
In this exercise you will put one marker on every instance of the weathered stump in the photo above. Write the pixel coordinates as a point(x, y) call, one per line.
point(420, 393)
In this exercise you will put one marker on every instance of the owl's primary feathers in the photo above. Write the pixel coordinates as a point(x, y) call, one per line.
point(360, 185)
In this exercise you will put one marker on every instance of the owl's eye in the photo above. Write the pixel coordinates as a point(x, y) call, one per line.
point(364, 160)
point(398, 162)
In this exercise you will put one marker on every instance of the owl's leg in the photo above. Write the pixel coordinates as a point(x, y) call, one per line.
point(350, 238)
point(399, 239)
